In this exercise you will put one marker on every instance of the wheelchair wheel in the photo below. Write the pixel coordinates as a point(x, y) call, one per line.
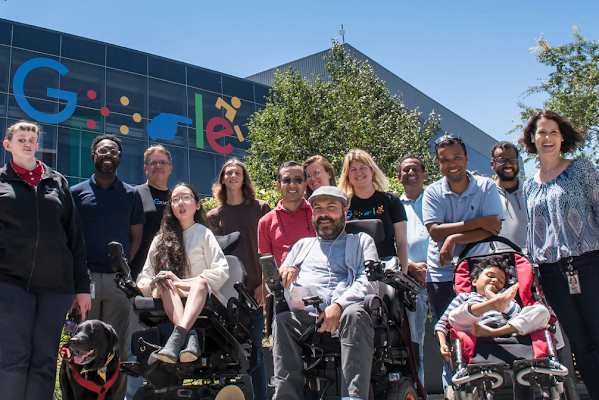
point(145, 392)
point(405, 391)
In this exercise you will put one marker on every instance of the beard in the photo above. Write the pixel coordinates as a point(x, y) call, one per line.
point(506, 178)
point(105, 169)
point(331, 231)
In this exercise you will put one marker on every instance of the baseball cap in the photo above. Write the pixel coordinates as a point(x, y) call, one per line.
point(329, 191)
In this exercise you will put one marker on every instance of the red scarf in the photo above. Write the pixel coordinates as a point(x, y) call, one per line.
point(32, 177)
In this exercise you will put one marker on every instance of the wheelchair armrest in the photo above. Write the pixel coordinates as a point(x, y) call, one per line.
point(272, 278)
point(394, 278)
point(246, 296)
point(118, 261)
point(127, 285)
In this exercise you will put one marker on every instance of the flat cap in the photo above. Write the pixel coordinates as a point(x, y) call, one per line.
point(329, 191)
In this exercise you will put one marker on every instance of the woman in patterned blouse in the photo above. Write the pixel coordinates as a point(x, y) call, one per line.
point(562, 202)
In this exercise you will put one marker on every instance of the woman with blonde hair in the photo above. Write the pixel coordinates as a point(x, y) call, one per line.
point(366, 186)
point(319, 172)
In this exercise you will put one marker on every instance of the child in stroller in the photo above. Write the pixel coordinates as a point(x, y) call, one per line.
point(483, 312)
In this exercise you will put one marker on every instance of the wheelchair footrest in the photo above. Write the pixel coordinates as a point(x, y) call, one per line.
point(488, 375)
point(538, 372)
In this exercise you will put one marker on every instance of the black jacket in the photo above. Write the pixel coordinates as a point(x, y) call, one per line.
point(41, 241)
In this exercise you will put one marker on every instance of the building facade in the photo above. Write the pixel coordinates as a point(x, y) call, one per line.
point(77, 88)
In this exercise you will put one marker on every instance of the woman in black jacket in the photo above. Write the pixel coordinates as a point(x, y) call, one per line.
point(43, 269)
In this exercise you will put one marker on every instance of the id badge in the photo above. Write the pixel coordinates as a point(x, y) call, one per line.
point(573, 282)
point(92, 290)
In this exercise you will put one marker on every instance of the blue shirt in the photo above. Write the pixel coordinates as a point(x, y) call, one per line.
point(106, 215)
point(563, 214)
point(441, 205)
point(417, 233)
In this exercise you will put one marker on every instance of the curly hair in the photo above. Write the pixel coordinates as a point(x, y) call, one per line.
point(328, 167)
point(170, 252)
point(490, 262)
point(573, 138)
point(108, 136)
point(219, 191)
point(379, 181)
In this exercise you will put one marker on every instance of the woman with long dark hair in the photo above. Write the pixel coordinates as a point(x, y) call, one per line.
point(562, 202)
point(184, 260)
point(43, 269)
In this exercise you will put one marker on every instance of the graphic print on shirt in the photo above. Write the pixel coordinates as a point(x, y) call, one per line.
point(360, 214)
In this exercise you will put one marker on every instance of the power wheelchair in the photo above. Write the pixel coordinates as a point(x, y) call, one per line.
point(394, 363)
point(223, 332)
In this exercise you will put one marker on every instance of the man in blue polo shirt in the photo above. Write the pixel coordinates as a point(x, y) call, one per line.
point(110, 210)
point(458, 209)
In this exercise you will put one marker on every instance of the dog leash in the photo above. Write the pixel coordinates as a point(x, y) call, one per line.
point(89, 385)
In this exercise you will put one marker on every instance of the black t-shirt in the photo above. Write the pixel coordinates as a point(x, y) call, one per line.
point(154, 202)
point(384, 206)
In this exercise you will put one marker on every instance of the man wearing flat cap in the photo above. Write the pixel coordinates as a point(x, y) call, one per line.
point(332, 266)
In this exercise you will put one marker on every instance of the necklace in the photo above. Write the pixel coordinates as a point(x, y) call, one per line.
point(554, 168)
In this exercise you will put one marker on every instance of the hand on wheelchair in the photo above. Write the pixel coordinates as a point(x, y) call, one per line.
point(330, 318)
point(445, 352)
point(288, 276)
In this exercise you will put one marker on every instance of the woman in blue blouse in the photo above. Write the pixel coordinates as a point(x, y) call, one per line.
point(563, 235)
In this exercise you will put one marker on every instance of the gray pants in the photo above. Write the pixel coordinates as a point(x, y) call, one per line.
point(112, 306)
point(357, 336)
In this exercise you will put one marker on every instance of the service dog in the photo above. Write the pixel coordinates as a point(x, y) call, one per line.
point(90, 363)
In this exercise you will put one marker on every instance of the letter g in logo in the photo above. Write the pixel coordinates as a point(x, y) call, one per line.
point(70, 97)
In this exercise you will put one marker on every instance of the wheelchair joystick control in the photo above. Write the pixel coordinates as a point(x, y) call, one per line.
point(315, 301)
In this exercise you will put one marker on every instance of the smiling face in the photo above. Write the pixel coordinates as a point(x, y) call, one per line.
point(493, 277)
point(158, 169)
point(328, 217)
point(106, 163)
point(360, 175)
point(22, 145)
point(411, 173)
point(548, 138)
point(233, 177)
point(453, 162)
point(508, 171)
point(317, 176)
point(186, 204)
point(289, 185)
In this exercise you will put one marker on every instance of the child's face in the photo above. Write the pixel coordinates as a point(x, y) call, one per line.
point(492, 276)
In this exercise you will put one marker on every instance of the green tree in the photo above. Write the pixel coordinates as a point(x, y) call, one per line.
point(353, 109)
point(572, 87)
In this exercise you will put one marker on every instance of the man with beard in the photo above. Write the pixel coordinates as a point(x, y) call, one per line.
point(333, 265)
point(458, 209)
point(110, 211)
point(505, 164)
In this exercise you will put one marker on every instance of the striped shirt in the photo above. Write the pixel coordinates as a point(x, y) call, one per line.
point(280, 229)
point(490, 318)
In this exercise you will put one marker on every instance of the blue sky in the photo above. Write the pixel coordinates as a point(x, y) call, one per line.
point(471, 56)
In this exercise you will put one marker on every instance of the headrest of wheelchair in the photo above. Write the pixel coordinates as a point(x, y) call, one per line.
point(229, 242)
point(520, 270)
point(373, 227)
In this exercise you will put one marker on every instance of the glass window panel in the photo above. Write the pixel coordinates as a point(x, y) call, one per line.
point(126, 93)
point(166, 98)
point(261, 93)
point(46, 151)
point(237, 87)
point(203, 169)
point(3, 130)
point(38, 80)
point(81, 79)
point(74, 151)
point(36, 39)
point(209, 111)
point(204, 79)
point(3, 100)
point(84, 50)
point(4, 63)
point(86, 119)
point(126, 60)
point(131, 169)
point(15, 111)
point(180, 165)
point(5, 33)
point(165, 69)
point(74, 181)
point(124, 125)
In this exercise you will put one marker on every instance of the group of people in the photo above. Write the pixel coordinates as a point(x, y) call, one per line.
point(53, 250)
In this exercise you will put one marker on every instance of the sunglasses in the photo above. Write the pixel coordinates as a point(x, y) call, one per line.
point(446, 137)
point(297, 181)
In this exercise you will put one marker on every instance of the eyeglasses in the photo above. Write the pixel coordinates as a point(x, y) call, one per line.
point(446, 137)
point(105, 150)
point(162, 163)
point(287, 181)
point(186, 198)
point(502, 161)
point(316, 174)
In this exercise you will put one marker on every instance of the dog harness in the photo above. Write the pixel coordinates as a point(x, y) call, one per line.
point(91, 386)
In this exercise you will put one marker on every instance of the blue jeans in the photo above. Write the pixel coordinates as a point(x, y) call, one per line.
point(578, 314)
point(30, 328)
point(258, 378)
point(440, 295)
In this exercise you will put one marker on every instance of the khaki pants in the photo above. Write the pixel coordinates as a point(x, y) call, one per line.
point(111, 305)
